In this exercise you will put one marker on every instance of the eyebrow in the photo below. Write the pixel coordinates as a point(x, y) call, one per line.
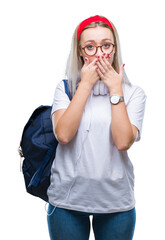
point(105, 39)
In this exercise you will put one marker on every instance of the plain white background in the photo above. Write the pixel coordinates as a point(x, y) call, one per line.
point(34, 46)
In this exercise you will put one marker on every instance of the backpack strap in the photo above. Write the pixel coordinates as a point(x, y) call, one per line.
point(37, 176)
point(67, 91)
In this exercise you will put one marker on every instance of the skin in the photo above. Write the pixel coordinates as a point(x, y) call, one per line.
point(99, 66)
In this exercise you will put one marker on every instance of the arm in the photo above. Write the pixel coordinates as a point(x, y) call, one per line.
point(123, 132)
point(66, 122)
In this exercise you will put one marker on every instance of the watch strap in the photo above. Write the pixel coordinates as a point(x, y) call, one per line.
point(121, 99)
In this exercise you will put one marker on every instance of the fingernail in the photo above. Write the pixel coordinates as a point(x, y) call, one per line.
point(102, 56)
point(86, 59)
point(123, 65)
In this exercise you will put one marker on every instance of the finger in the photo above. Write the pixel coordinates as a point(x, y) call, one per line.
point(99, 72)
point(109, 65)
point(86, 61)
point(100, 66)
point(121, 69)
point(93, 62)
point(105, 63)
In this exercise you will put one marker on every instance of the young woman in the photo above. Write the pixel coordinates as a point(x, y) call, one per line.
point(92, 173)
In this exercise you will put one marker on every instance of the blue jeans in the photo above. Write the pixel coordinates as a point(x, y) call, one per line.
point(67, 224)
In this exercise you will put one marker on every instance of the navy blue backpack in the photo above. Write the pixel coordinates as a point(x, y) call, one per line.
point(38, 147)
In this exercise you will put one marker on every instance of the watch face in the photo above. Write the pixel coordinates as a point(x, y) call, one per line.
point(115, 99)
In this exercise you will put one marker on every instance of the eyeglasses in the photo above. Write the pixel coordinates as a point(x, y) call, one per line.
point(91, 49)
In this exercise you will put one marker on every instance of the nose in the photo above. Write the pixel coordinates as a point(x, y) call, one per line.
point(99, 52)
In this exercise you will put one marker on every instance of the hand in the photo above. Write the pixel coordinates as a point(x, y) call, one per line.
point(108, 75)
point(89, 74)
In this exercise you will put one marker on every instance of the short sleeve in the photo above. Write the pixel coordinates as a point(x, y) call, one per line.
point(61, 99)
point(136, 108)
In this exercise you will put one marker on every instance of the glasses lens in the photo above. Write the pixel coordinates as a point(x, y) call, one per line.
point(107, 47)
point(90, 50)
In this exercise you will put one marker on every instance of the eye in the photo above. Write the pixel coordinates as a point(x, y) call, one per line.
point(90, 47)
point(106, 45)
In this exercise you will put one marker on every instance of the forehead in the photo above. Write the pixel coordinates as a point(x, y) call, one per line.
point(96, 34)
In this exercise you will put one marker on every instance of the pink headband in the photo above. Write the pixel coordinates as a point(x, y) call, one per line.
point(88, 21)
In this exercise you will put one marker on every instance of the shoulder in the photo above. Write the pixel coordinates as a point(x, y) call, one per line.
point(60, 85)
point(133, 91)
point(61, 99)
point(61, 89)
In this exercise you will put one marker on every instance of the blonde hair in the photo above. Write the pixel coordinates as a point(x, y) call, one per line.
point(75, 61)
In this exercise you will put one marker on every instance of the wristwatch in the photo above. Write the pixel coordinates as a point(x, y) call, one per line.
point(115, 99)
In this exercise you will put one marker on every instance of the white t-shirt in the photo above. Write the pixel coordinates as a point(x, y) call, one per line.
point(89, 174)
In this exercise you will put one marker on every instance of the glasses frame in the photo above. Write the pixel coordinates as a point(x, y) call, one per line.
point(97, 49)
